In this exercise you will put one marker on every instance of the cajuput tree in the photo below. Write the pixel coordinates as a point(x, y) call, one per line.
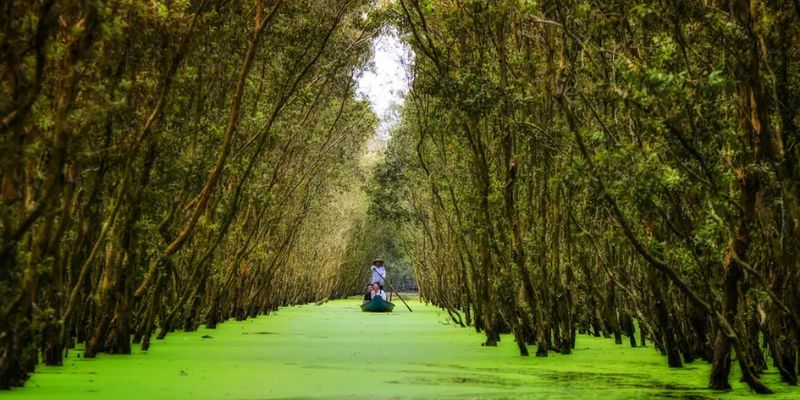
point(568, 167)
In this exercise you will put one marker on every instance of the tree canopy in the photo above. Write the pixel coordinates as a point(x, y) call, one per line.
point(577, 166)
point(170, 164)
point(614, 168)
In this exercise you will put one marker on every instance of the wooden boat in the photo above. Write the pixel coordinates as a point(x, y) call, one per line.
point(378, 304)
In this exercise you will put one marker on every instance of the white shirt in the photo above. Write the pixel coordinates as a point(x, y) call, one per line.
point(377, 272)
point(382, 294)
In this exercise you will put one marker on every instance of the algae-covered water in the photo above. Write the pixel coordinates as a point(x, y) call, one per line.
point(334, 351)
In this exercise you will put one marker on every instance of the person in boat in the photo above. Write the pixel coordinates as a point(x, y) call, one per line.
point(368, 293)
point(377, 291)
point(378, 272)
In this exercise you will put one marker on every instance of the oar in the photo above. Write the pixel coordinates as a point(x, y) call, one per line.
point(395, 291)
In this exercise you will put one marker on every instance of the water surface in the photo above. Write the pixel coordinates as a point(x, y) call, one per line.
point(334, 351)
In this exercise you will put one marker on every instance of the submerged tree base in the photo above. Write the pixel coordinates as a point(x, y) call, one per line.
point(336, 351)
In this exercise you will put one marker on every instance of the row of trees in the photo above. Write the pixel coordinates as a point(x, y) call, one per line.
point(597, 166)
point(167, 164)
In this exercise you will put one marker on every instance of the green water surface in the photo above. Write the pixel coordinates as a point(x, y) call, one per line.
point(334, 351)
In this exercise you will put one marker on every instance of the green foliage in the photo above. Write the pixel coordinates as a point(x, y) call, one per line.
point(637, 133)
point(119, 143)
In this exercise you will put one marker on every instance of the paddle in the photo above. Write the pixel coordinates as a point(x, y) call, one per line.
point(395, 291)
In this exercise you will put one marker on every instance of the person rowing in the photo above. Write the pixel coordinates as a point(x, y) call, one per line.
point(378, 272)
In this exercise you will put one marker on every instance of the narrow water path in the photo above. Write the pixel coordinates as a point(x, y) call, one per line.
point(334, 351)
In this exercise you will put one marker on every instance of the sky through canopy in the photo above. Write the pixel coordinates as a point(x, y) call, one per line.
point(386, 81)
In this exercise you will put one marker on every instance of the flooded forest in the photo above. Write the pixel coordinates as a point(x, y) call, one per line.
point(556, 171)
